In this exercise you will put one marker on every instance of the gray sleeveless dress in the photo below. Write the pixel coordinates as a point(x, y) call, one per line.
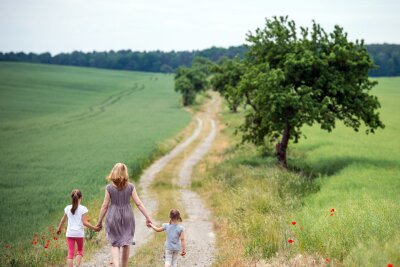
point(120, 223)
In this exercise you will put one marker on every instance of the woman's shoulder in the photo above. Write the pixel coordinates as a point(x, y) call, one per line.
point(110, 187)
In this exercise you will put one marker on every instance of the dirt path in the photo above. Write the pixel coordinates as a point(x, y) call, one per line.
point(199, 229)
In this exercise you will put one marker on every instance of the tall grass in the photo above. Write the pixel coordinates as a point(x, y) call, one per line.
point(359, 178)
point(354, 174)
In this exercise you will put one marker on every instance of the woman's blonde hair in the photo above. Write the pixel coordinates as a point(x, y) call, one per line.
point(119, 175)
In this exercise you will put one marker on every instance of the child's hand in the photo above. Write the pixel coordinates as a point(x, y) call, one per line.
point(97, 228)
point(183, 253)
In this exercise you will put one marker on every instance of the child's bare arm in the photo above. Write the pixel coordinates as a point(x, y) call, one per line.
point(183, 243)
point(64, 217)
point(86, 223)
point(157, 229)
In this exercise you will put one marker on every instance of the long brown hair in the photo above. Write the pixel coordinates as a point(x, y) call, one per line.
point(76, 194)
point(119, 175)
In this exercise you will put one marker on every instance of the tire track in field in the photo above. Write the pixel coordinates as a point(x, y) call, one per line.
point(96, 110)
point(142, 233)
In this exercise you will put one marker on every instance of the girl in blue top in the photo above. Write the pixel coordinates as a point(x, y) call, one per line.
point(175, 238)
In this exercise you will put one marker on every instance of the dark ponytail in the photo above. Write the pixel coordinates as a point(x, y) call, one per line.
point(75, 195)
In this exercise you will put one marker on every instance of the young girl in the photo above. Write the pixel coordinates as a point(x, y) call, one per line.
point(175, 238)
point(76, 214)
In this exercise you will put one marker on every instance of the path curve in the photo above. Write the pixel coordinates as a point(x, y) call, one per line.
point(142, 233)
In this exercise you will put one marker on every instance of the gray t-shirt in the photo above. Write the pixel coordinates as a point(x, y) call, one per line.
point(173, 233)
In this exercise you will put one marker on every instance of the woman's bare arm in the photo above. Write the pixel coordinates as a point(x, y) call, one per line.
point(104, 208)
point(140, 206)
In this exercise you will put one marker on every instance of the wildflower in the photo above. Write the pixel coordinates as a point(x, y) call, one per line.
point(55, 238)
point(332, 214)
point(6, 246)
point(34, 242)
point(290, 241)
point(390, 265)
point(332, 210)
point(47, 245)
point(293, 223)
point(327, 260)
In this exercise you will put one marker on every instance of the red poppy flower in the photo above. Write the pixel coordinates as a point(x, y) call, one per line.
point(390, 265)
point(332, 210)
point(46, 246)
point(327, 260)
point(34, 242)
point(332, 214)
point(290, 241)
point(6, 245)
point(293, 223)
point(55, 238)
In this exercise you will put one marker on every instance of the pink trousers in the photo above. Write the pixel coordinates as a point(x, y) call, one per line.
point(71, 246)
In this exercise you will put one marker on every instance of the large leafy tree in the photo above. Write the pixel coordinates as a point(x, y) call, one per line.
point(301, 78)
point(225, 80)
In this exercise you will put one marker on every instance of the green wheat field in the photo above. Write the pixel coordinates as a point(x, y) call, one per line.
point(65, 127)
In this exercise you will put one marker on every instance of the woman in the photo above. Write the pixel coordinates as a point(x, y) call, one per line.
point(120, 223)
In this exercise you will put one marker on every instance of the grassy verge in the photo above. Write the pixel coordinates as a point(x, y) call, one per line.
point(250, 196)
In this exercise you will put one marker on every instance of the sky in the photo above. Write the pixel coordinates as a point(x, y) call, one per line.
point(143, 25)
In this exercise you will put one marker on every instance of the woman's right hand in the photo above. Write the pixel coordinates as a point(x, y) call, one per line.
point(148, 222)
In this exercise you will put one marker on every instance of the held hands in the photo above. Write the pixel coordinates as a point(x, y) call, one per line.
point(98, 226)
point(148, 222)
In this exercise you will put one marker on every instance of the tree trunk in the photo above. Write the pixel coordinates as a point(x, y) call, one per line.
point(234, 108)
point(281, 147)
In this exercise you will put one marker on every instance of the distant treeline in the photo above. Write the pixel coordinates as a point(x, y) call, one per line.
point(386, 56)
